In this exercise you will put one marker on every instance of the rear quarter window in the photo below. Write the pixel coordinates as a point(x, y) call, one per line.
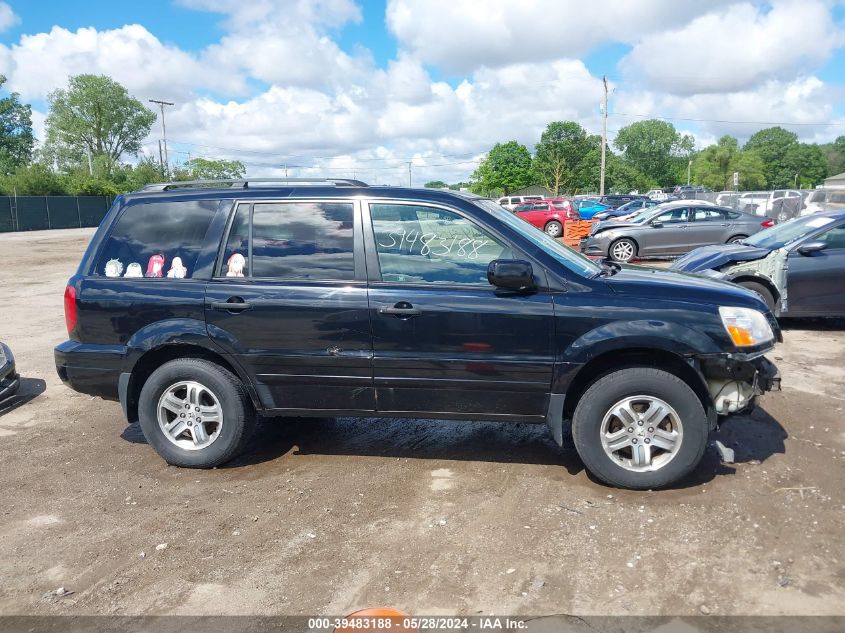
point(156, 239)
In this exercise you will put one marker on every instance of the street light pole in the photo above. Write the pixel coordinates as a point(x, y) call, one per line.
point(166, 165)
point(603, 137)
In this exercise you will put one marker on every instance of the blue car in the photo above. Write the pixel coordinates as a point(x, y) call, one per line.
point(625, 209)
point(588, 208)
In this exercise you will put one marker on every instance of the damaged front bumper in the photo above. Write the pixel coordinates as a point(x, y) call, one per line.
point(734, 383)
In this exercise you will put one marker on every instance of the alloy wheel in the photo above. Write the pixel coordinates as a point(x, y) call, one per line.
point(641, 433)
point(190, 415)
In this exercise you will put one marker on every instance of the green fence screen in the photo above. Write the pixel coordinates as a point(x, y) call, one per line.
point(34, 213)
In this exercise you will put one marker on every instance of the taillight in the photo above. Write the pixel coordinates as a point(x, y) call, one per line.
point(70, 309)
point(767, 223)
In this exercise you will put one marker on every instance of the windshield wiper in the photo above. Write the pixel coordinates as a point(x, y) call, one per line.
point(608, 268)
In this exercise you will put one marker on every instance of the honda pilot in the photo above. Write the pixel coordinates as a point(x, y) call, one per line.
point(201, 305)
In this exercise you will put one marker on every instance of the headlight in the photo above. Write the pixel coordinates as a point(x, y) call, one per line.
point(745, 326)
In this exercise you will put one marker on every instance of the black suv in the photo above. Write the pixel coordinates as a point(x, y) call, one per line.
point(200, 306)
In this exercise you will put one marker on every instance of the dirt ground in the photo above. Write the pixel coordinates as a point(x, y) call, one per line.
point(327, 516)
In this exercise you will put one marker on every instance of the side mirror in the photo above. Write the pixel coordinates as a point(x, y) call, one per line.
point(657, 224)
point(808, 248)
point(511, 274)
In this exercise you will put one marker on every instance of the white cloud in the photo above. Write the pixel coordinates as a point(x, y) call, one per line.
point(277, 88)
point(8, 18)
point(461, 35)
point(803, 101)
point(131, 55)
point(737, 48)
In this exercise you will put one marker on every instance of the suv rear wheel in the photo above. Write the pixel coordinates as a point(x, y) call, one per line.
point(640, 428)
point(195, 413)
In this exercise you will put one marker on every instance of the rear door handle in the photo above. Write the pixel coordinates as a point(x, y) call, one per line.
point(230, 306)
point(401, 309)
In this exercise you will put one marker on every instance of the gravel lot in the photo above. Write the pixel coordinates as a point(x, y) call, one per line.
point(327, 516)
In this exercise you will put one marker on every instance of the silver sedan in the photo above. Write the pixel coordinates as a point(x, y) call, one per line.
point(670, 229)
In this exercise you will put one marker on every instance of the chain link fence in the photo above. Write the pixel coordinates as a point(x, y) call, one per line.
point(35, 213)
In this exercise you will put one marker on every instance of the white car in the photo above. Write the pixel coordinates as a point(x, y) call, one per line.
point(657, 194)
point(511, 202)
point(763, 201)
point(824, 200)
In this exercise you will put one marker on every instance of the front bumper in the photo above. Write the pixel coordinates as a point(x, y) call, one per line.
point(735, 384)
point(10, 381)
point(592, 246)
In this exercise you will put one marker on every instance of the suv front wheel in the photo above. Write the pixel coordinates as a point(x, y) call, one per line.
point(195, 413)
point(640, 428)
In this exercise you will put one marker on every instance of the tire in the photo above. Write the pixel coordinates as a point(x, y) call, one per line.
point(637, 386)
point(761, 290)
point(224, 396)
point(554, 229)
point(622, 250)
point(736, 239)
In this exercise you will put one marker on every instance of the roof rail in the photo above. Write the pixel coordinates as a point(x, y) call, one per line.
point(244, 183)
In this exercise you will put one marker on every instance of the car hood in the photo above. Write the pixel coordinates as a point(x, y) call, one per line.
point(604, 226)
point(681, 286)
point(718, 255)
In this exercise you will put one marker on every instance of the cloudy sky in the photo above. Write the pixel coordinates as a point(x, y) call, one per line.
point(360, 88)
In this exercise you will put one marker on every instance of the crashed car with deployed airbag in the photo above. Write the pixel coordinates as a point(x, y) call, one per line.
point(798, 267)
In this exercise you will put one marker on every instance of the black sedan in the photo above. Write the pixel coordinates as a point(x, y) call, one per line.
point(9, 379)
point(797, 267)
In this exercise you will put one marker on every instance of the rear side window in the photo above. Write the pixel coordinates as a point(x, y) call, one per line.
point(291, 240)
point(158, 239)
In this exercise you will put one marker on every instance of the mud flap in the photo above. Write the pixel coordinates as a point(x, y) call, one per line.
point(554, 416)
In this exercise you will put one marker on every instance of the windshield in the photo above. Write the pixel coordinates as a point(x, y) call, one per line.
point(575, 262)
point(780, 235)
point(816, 196)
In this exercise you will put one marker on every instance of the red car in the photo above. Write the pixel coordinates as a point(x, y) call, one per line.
point(548, 215)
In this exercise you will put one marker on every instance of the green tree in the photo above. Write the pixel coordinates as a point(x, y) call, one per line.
point(36, 179)
point(802, 164)
point(562, 147)
point(715, 165)
point(771, 145)
point(209, 169)
point(95, 115)
point(835, 155)
point(16, 139)
point(436, 184)
point(655, 149)
point(507, 167)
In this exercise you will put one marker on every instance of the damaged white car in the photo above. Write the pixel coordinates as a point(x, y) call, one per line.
point(797, 267)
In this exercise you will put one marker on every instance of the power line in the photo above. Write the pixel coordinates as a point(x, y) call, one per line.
point(678, 118)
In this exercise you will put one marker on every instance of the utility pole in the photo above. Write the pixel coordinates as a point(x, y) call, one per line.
point(166, 163)
point(689, 170)
point(603, 136)
point(90, 163)
point(409, 175)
